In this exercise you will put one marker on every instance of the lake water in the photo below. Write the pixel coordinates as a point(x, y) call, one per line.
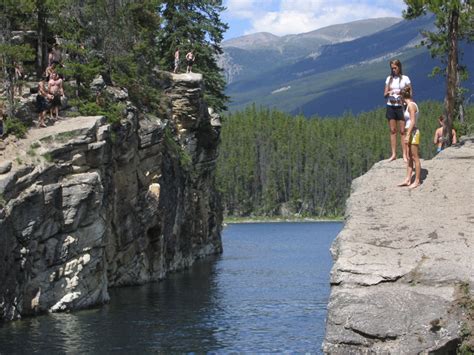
point(268, 292)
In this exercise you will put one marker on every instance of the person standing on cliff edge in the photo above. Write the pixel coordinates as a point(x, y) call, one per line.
point(190, 61)
point(394, 84)
point(412, 139)
point(176, 60)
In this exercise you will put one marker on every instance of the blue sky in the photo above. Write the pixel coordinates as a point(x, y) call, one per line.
point(282, 17)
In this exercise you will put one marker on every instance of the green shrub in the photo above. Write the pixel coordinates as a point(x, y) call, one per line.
point(16, 127)
point(115, 112)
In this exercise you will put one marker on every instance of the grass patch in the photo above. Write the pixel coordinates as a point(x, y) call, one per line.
point(466, 302)
point(15, 127)
point(31, 152)
point(48, 157)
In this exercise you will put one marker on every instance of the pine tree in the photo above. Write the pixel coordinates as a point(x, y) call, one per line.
point(195, 25)
point(454, 21)
point(13, 16)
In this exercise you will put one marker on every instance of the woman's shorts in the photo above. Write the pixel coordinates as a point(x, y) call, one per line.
point(56, 102)
point(415, 137)
point(395, 113)
point(42, 103)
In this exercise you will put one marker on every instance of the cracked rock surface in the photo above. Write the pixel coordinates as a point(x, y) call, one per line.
point(86, 205)
point(401, 258)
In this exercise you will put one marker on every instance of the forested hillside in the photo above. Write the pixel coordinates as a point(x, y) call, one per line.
point(272, 163)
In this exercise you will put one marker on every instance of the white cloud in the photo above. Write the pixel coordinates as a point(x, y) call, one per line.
point(244, 9)
point(282, 17)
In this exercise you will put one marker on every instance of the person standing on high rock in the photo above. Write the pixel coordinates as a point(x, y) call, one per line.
point(190, 61)
point(176, 60)
point(394, 84)
point(412, 139)
point(56, 90)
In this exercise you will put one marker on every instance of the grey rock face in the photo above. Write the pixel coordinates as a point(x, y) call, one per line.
point(5, 166)
point(96, 206)
point(401, 259)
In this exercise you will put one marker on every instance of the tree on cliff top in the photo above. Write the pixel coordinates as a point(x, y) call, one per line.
point(195, 25)
point(455, 22)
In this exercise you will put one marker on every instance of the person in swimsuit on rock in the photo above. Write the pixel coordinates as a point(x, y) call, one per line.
point(438, 136)
point(190, 61)
point(55, 88)
point(412, 139)
point(42, 102)
point(176, 60)
point(19, 77)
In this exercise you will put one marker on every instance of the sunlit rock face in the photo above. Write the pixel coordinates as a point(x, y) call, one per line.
point(87, 205)
point(403, 276)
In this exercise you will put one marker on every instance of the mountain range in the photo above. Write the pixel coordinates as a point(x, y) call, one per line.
point(333, 70)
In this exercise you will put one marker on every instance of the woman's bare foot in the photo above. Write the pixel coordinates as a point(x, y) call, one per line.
point(405, 159)
point(414, 185)
point(392, 158)
point(404, 183)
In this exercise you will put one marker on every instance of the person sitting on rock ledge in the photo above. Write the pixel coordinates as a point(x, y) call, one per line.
point(412, 139)
point(438, 136)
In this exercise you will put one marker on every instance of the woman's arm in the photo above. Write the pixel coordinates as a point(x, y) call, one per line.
point(412, 112)
point(435, 138)
point(386, 91)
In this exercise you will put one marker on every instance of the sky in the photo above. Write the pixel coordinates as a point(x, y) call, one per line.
point(282, 17)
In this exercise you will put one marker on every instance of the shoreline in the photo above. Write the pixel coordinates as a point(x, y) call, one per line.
point(238, 220)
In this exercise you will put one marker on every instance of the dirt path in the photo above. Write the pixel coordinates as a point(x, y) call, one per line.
point(20, 151)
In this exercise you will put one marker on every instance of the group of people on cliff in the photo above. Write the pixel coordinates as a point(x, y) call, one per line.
point(402, 114)
point(50, 89)
point(190, 58)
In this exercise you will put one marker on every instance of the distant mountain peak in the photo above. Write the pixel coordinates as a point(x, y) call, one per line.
point(250, 55)
point(252, 40)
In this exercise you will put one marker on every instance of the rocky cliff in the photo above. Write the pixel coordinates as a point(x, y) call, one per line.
point(403, 277)
point(85, 205)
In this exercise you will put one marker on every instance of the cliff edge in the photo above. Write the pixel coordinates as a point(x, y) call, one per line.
point(403, 277)
point(86, 205)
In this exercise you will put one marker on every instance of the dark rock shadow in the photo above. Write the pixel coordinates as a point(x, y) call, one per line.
point(424, 174)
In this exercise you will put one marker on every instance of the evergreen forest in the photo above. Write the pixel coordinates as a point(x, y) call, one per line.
point(275, 164)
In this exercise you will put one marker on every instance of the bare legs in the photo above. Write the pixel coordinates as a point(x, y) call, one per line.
point(392, 125)
point(413, 159)
point(41, 118)
point(401, 128)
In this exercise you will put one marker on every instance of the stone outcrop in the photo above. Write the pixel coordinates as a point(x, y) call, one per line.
point(404, 260)
point(87, 205)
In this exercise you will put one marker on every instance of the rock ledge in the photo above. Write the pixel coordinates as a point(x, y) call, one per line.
point(403, 258)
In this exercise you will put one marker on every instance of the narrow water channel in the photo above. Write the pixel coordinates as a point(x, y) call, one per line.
point(268, 292)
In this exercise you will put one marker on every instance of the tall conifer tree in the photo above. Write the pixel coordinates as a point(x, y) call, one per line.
point(455, 22)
